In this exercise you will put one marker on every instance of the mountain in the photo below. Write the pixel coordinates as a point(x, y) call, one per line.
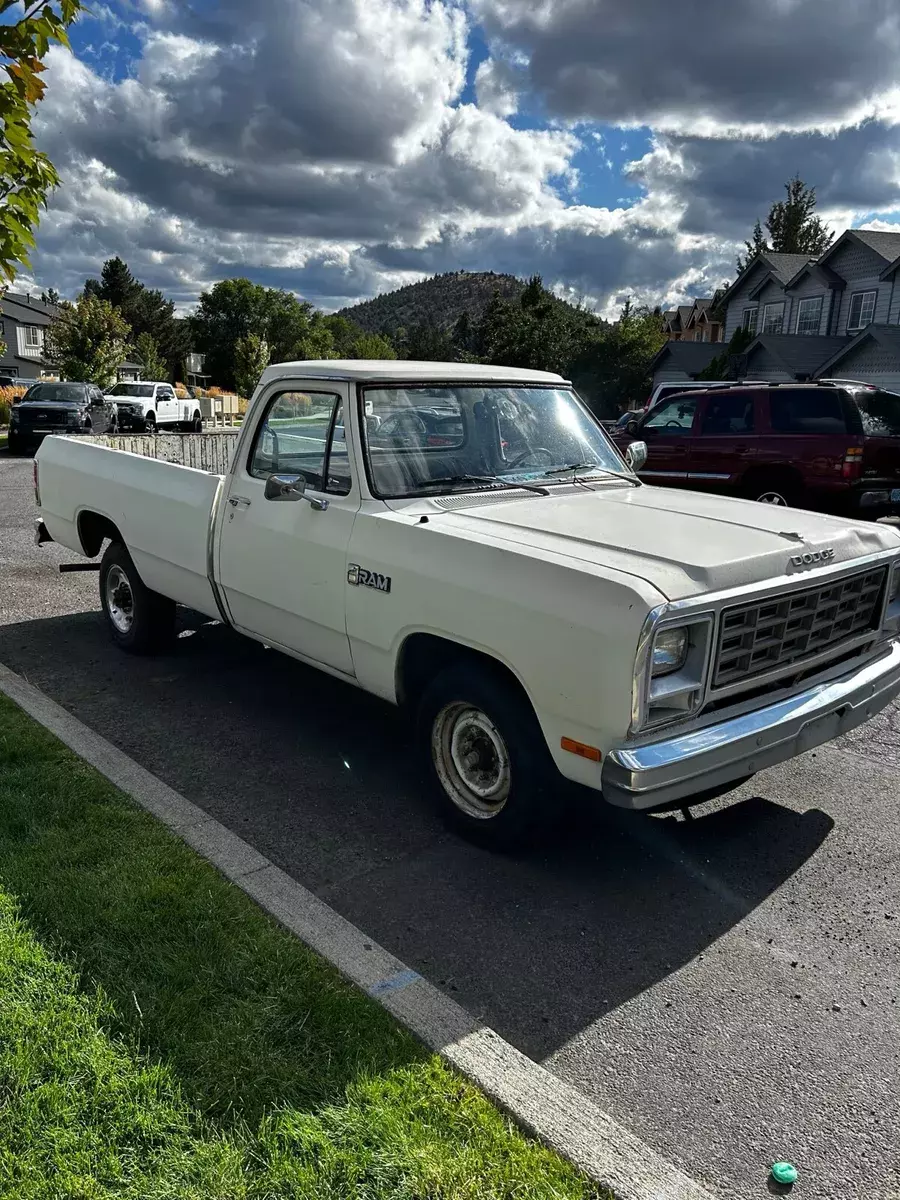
point(437, 301)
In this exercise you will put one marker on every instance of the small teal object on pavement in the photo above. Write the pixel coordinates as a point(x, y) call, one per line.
point(784, 1172)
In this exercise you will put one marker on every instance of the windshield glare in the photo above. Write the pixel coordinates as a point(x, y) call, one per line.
point(417, 437)
point(131, 389)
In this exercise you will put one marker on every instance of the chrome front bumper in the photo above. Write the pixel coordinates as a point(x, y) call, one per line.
point(683, 765)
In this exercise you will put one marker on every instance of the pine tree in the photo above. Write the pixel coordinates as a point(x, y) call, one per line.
point(756, 246)
point(792, 224)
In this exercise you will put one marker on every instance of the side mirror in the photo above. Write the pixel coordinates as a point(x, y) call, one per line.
point(632, 428)
point(291, 487)
point(636, 456)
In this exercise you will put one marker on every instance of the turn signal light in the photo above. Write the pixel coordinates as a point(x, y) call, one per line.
point(580, 749)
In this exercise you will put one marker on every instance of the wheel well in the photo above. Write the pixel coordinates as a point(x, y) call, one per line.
point(774, 474)
point(424, 655)
point(93, 530)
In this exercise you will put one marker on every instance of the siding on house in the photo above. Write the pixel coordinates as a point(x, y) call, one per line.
point(808, 289)
point(773, 293)
point(861, 268)
point(738, 302)
point(894, 299)
point(762, 365)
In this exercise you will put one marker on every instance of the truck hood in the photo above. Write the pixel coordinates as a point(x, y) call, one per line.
point(684, 543)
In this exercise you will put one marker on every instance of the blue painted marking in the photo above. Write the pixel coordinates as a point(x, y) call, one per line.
point(400, 979)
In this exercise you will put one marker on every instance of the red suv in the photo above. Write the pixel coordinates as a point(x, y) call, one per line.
point(833, 448)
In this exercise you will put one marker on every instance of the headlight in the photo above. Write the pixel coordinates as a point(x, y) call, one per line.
point(891, 625)
point(670, 649)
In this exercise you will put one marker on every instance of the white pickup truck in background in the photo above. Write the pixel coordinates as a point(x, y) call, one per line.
point(466, 541)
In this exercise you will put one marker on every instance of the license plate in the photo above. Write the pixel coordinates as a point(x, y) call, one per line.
point(895, 496)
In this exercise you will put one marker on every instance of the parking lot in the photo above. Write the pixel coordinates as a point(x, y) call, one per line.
point(727, 987)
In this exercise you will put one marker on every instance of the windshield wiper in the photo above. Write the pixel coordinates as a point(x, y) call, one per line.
point(590, 466)
point(488, 480)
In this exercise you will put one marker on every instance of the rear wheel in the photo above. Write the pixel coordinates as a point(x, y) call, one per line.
point(140, 621)
point(780, 489)
point(492, 775)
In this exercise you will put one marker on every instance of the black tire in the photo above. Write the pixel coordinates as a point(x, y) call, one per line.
point(150, 423)
point(534, 798)
point(774, 487)
point(14, 446)
point(139, 621)
point(197, 423)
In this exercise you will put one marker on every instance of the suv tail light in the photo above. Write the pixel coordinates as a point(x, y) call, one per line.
point(853, 463)
point(37, 484)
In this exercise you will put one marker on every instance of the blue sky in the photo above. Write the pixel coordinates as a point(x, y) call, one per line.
point(344, 147)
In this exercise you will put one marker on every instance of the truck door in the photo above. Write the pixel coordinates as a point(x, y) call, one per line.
point(282, 564)
point(668, 431)
point(166, 405)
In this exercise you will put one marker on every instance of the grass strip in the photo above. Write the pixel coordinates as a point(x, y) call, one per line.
point(161, 1036)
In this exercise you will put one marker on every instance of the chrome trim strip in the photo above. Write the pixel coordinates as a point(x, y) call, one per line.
point(707, 475)
point(665, 474)
point(686, 764)
point(211, 548)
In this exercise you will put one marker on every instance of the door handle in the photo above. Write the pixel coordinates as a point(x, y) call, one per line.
point(234, 501)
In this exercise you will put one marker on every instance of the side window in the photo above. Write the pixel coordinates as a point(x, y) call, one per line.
point(292, 437)
point(730, 412)
point(806, 410)
point(673, 416)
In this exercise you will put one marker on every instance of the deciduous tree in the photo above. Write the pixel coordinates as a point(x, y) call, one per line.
point(87, 341)
point(251, 357)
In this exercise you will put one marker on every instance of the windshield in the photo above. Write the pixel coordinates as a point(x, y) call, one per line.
point(425, 440)
point(55, 391)
point(131, 389)
point(880, 412)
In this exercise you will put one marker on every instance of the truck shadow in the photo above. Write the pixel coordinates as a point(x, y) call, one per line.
point(322, 779)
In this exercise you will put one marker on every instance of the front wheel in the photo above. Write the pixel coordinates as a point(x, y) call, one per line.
point(492, 775)
point(140, 621)
point(150, 423)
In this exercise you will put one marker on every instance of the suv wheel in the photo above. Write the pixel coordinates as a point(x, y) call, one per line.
point(782, 490)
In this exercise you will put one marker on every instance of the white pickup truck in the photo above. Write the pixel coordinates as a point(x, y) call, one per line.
point(465, 541)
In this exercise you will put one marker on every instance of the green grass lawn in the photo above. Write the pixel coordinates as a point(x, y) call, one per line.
point(3, 441)
point(162, 1039)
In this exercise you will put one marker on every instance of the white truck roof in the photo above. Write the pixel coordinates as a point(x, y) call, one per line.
point(403, 370)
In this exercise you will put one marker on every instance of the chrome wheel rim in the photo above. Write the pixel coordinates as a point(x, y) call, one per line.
point(471, 760)
point(772, 498)
point(119, 600)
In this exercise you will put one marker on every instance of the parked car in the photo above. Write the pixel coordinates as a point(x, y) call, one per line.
point(147, 406)
point(538, 611)
point(830, 447)
point(57, 408)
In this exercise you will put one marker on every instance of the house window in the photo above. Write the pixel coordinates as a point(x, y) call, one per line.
point(773, 318)
point(748, 321)
point(34, 337)
point(862, 310)
point(698, 336)
point(809, 315)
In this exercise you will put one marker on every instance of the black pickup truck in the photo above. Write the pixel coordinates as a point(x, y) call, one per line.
point(58, 408)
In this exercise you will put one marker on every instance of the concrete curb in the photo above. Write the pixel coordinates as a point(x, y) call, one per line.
point(545, 1106)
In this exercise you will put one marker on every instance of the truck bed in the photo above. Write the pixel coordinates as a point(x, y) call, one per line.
point(162, 510)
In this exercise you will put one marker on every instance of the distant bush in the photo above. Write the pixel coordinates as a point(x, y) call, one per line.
point(4, 413)
point(181, 391)
point(243, 403)
point(214, 393)
point(7, 395)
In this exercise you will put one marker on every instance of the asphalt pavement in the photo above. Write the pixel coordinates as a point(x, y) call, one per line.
point(727, 987)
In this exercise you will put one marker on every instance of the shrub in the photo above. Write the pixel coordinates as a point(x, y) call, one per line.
point(214, 393)
point(7, 395)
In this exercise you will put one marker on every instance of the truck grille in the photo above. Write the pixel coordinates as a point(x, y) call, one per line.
point(782, 630)
point(43, 418)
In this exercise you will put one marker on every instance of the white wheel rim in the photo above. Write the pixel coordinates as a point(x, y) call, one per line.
point(471, 759)
point(771, 498)
point(119, 599)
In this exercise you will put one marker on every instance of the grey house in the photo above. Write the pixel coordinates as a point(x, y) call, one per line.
point(830, 317)
point(23, 320)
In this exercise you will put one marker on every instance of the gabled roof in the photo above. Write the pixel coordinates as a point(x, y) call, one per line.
point(29, 310)
point(690, 357)
point(886, 336)
point(824, 274)
point(782, 266)
point(797, 353)
point(885, 245)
